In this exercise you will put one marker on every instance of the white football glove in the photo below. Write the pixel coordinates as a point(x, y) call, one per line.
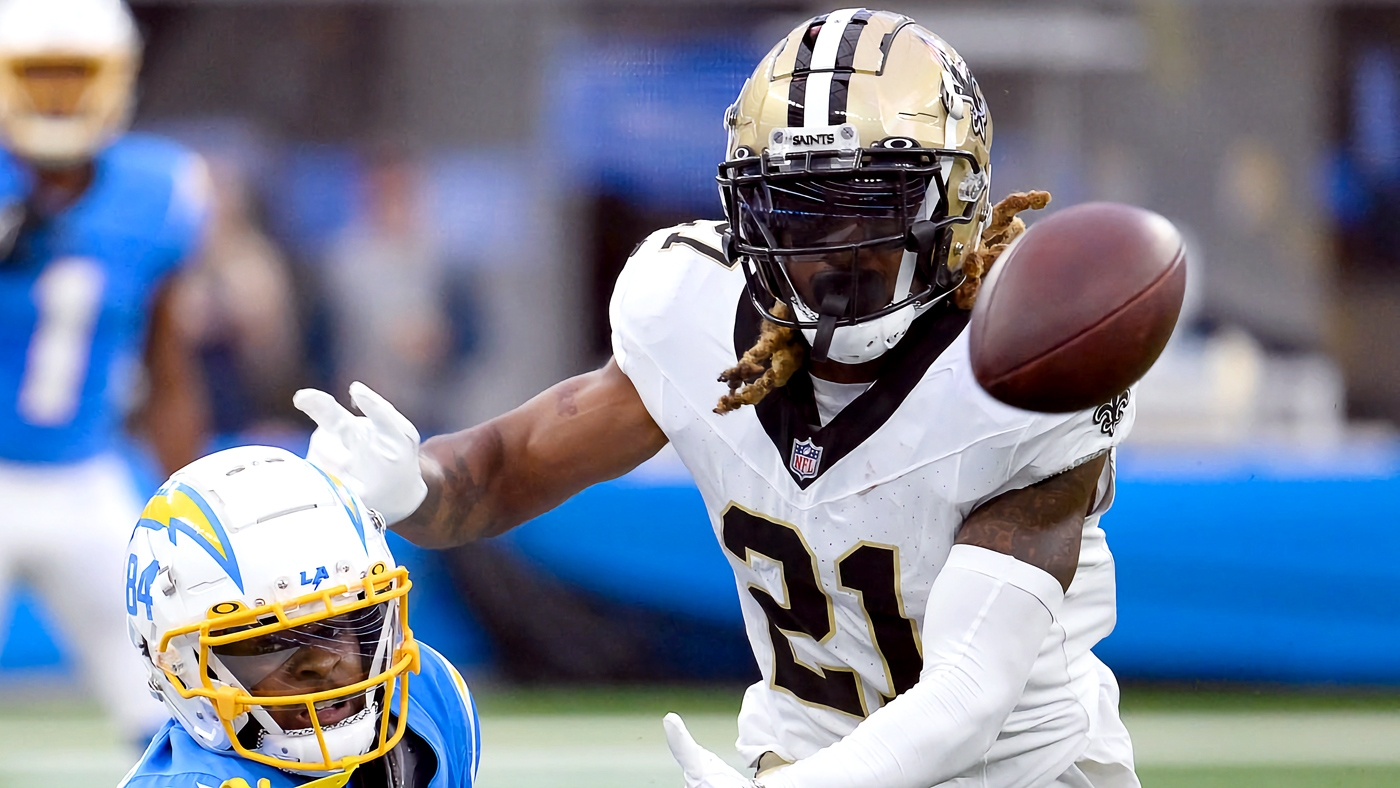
point(375, 455)
point(702, 768)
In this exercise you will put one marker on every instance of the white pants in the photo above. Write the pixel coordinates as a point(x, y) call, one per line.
point(1104, 756)
point(1108, 762)
point(65, 532)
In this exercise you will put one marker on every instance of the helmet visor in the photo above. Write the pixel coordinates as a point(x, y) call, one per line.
point(322, 656)
point(828, 211)
point(831, 241)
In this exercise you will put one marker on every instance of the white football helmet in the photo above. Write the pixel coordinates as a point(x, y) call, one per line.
point(271, 614)
point(67, 77)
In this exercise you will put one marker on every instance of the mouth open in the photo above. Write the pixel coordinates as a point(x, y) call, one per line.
point(331, 714)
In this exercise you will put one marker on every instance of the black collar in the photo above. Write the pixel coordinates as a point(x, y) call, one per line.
point(789, 413)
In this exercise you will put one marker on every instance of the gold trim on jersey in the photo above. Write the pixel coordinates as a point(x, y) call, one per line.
point(870, 622)
point(786, 604)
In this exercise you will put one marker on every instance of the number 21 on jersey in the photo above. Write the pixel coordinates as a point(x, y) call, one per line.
point(869, 571)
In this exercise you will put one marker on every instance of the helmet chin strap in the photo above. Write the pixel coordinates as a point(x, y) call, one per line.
point(832, 309)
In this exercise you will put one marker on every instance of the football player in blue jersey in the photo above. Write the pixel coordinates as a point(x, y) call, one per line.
point(93, 223)
point(273, 622)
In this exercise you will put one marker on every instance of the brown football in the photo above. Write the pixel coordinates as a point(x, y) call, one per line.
point(1078, 308)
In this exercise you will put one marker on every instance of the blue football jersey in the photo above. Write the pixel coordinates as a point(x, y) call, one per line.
point(440, 711)
point(76, 298)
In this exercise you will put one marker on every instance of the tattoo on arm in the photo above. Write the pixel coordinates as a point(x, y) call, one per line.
point(565, 406)
point(450, 514)
point(1041, 524)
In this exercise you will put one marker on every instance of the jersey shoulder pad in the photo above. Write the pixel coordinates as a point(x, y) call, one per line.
point(168, 184)
point(674, 280)
point(1000, 447)
point(1036, 446)
point(449, 704)
point(705, 238)
point(448, 685)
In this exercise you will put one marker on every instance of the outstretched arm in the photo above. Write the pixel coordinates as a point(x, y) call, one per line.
point(487, 479)
point(492, 477)
point(989, 612)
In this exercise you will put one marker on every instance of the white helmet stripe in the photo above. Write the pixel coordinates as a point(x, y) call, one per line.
point(823, 61)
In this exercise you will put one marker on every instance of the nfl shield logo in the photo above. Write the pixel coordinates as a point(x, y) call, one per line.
point(806, 457)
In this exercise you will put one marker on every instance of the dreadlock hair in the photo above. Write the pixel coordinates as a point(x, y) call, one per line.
point(1004, 228)
point(767, 365)
point(779, 351)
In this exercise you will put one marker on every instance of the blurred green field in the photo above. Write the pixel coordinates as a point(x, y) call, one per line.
point(611, 738)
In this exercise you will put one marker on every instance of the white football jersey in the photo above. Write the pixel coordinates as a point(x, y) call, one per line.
point(836, 533)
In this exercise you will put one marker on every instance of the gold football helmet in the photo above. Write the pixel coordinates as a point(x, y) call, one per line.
point(67, 77)
point(860, 134)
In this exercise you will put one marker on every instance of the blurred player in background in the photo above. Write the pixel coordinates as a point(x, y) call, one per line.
point(921, 569)
point(387, 257)
point(274, 624)
point(238, 305)
point(95, 224)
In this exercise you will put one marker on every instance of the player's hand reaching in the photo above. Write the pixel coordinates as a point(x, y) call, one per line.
point(375, 455)
point(702, 768)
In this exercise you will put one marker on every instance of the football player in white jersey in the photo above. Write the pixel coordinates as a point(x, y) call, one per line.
point(921, 568)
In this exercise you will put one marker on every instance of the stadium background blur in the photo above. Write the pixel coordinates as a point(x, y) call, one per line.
point(434, 197)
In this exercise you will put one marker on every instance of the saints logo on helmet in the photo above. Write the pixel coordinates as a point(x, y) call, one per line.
point(270, 613)
point(67, 77)
point(861, 141)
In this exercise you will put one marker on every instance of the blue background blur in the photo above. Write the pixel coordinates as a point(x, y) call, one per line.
point(1251, 564)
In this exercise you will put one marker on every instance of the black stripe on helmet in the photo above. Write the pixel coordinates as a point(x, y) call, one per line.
point(845, 65)
point(805, 46)
point(797, 84)
point(836, 106)
point(850, 37)
point(797, 99)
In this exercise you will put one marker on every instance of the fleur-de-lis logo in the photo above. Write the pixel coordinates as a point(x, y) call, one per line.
point(962, 82)
point(1110, 413)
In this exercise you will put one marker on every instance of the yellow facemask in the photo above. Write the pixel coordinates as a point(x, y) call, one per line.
point(229, 623)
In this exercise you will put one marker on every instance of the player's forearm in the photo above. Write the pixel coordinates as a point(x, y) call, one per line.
point(488, 479)
point(460, 506)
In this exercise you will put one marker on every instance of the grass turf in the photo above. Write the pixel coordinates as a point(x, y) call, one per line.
point(721, 699)
point(610, 737)
point(1271, 777)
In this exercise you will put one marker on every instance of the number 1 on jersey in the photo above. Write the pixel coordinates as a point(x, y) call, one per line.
point(67, 296)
